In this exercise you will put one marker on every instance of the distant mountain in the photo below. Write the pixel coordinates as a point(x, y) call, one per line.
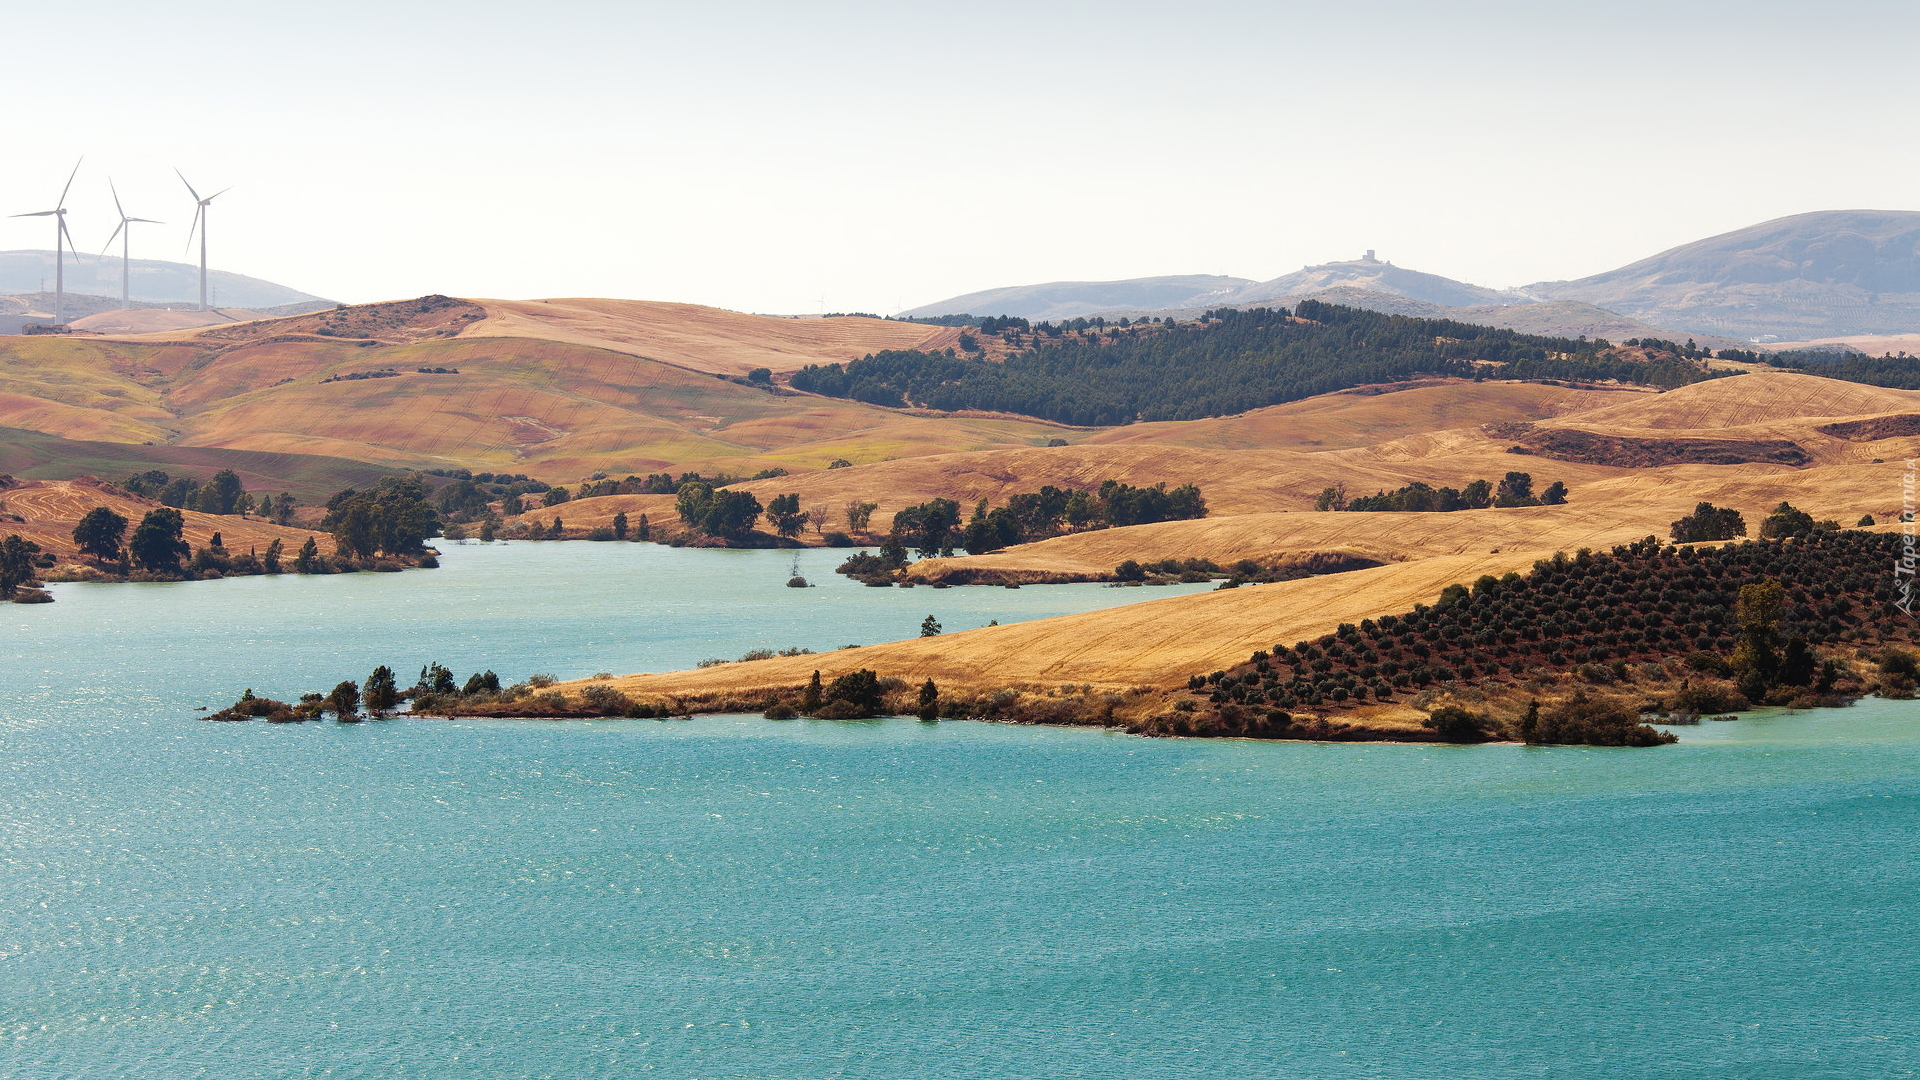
point(1825, 274)
point(1376, 277)
point(153, 281)
point(1057, 300)
point(1193, 293)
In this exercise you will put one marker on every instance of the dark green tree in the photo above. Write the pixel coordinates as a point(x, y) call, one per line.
point(380, 693)
point(344, 700)
point(270, 561)
point(929, 527)
point(1786, 520)
point(731, 515)
point(157, 541)
point(220, 495)
point(1709, 523)
point(1756, 659)
point(620, 525)
point(929, 627)
point(180, 492)
point(16, 564)
point(785, 515)
point(860, 690)
point(308, 560)
point(147, 485)
point(1555, 495)
point(811, 698)
point(394, 517)
point(1515, 490)
point(100, 534)
point(929, 701)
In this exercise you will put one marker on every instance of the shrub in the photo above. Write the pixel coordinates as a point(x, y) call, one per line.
point(1584, 721)
point(857, 694)
point(838, 540)
point(605, 700)
point(1456, 725)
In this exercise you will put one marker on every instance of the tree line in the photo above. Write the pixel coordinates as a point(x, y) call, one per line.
point(1515, 489)
point(222, 494)
point(1229, 362)
point(934, 529)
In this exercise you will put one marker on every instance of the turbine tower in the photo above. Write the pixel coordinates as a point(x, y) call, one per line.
point(200, 222)
point(62, 239)
point(125, 232)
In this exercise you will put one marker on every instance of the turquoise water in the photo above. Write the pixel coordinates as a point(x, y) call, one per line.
point(737, 898)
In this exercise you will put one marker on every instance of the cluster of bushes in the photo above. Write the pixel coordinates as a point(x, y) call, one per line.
point(1516, 489)
point(1758, 613)
point(222, 493)
point(1031, 516)
point(1243, 572)
point(356, 376)
point(469, 498)
point(394, 519)
point(933, 528)
point(752, 655)
point(1228, 362)
point(1708, 522)
point(381, 695)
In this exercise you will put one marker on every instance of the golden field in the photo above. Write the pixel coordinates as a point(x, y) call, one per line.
point(558, 390)
point(1261, 500)
point(565, 389)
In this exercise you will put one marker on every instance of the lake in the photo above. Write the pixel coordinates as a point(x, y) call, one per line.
point(732, 897)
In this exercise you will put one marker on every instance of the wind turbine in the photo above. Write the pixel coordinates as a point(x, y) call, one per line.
point(200, 222)
point(61, 240)
point(125, 232)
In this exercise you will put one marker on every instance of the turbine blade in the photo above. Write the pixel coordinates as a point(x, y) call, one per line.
point(216, 194)
point(111, 239)
point(69, 187)
point(121, 210)
point(71, 246)
point(183, 179)
point(37, 213)
point(198, 210)
point(146, 220)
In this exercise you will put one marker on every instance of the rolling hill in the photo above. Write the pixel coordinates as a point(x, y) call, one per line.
point(558, 389)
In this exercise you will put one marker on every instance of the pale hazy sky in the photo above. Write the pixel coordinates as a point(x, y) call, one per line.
point(772, 157)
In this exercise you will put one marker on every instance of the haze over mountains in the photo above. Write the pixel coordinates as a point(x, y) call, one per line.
point(1816, 275)
point(153, 281)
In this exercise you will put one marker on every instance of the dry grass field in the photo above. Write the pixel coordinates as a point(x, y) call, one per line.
point(703, 338)
point(564, 389)
point(586, 398)
point(1259, 498)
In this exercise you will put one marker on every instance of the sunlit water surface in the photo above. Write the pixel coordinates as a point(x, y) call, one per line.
point(735, 897)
